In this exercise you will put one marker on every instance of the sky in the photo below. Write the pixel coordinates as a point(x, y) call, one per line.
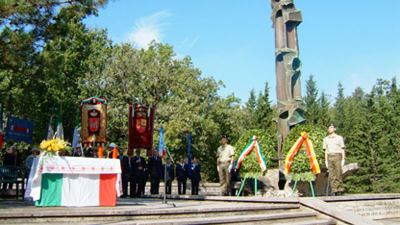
point(352, 42)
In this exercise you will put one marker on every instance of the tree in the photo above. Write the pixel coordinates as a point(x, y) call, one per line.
point(264, 112)
point(339, 107)
point(44, 48)
point(324, 117)
point(311, 101)
point(186, 101)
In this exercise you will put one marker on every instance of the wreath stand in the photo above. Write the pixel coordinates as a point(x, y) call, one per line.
point(251, 146)
point(311, 188)
point(243, 182)
point(303, 139)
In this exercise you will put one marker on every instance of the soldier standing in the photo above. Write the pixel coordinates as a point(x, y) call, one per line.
point(224, 162)
point(334, 159)
point(181, 176)
point(155, 170)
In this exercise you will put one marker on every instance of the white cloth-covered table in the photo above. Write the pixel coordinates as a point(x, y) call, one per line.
point(74, 181)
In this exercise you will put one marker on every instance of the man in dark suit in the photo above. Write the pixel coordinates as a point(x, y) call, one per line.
point(139, 173)
point(156, 171)
point(169, 176)
point(181, 176)
point(128, 174)
point(195, 176)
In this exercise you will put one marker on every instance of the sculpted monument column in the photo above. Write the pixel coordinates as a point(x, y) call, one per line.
point(286, 18)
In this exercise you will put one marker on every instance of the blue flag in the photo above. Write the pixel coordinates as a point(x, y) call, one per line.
point(161, 142)
point(75, 139)
point(188, 153)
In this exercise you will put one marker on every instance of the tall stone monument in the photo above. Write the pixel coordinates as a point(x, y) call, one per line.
point(286, 18)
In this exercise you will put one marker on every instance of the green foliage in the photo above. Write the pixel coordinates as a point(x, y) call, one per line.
point(267, 142)
point(186, 101)
point(300, 168)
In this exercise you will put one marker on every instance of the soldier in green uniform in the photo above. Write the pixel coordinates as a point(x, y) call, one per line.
point(334, 159)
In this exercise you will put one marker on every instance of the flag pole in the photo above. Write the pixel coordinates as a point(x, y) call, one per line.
point(165, 183)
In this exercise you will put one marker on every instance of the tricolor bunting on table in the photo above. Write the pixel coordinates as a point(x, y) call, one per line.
point(74, 181)
point(304, 139)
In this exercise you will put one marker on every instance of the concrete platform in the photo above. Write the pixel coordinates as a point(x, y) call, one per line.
point(206, 210)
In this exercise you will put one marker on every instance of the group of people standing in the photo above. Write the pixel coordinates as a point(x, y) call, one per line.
point(333, 146)
point(136, 171)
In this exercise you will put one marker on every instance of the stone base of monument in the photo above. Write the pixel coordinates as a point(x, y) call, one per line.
point(321, 187)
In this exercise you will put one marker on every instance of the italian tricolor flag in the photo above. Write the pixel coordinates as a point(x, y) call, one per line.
point(78, 190)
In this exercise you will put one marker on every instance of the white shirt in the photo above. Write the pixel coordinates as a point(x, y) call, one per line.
point(225, 153)
point(333, 144)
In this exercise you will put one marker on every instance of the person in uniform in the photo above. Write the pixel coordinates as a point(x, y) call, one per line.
point(181, 175)
point(225, 155)
point(334, 148)
point(195, 176)
point(128, 174)
point(139, 166)
point(155, 171)
point(169, 176)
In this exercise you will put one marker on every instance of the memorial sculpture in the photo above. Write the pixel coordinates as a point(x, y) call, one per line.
point(286, 18)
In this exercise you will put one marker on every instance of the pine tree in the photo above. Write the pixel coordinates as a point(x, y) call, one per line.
point(311, 101)
point(264, 112)
point(251, 106)
point(324, 116)
point(251, 103)
point(339, 107)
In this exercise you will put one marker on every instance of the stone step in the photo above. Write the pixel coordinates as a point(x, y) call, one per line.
point(126, 212)
point(240, 219)
point(315, 221)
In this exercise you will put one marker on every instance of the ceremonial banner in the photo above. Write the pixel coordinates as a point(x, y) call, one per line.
point(93, 120)
point(19, 130)
point(141, 126)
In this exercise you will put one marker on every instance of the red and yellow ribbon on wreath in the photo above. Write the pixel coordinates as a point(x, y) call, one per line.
point(310, 153)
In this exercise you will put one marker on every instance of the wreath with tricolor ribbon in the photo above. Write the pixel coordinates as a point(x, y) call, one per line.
point(250, 166)
point(252, 146)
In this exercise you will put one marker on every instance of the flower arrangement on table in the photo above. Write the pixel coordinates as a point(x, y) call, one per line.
point(54, 146)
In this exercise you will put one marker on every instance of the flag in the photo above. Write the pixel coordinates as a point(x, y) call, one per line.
point(161, 149)
point(75, 139)
point(189, 149)
point(169, 154)
point(50, 132)
point(60, 131)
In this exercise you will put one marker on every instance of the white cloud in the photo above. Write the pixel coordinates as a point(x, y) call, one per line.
point(148, 29)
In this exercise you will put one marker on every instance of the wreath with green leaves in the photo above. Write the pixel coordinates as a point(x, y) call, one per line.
point(267, 142)
point(300, 168)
